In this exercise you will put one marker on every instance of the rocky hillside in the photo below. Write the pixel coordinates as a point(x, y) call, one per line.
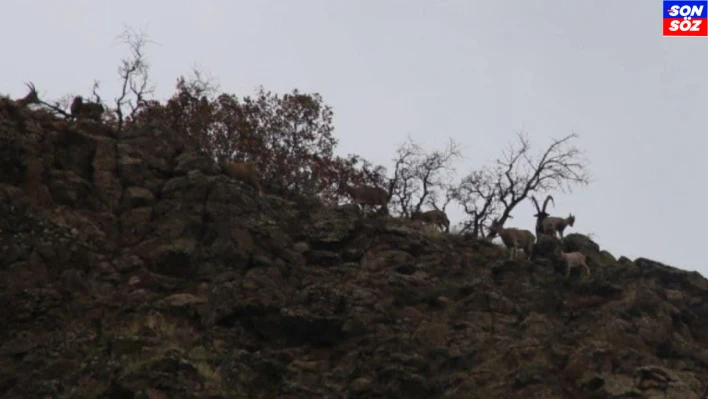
point(131, 268)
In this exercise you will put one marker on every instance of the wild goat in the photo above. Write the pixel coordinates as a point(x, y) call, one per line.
point(88, 110)
point(369, 195)
point(514, 238)
point(30, 98)
point(15, 105)
point(574, 260)
point(244, 172)
point(541, 214)
point(552, 224)
point(435, 217)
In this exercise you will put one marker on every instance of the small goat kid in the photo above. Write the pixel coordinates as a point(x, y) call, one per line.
point(435, 217)
point(552, 224)
point(368, 195)
point(244, 172)
point(514, 239)
point(574, 260)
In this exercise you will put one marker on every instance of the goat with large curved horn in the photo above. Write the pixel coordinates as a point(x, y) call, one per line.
point(31, 98)
point(541, 213)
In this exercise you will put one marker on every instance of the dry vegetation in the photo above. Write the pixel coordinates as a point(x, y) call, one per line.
point(289, 140)
point(145, 272)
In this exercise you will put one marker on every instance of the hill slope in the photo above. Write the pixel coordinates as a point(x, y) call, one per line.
point(130, 268)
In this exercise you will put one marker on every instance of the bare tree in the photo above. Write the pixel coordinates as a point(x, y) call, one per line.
point(477, 194)
point(63, 103)
point(374, 175)
point(59, 106)
point(134, 75)
point(402, 185)
point(433, 172)
point(135, 83)
point(94, 91)
point(448, 189)
point(420, 177)
point(558, 167)
point(201, 84)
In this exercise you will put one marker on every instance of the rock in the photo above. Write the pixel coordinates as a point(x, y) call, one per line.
point(135, 197)
point(390, 259)
point(301, 247)
point(688, 280)
point(262, 261)
point(181, 300)
point(243, 240)
point(331, 227)
point(545, 247)
point(608, 256)
point(132, 171)
point(324, 258)
point(127, 263)
point(189, 161)
point(579, 242)
point(432, 336)
point(131, 267)
point(674, 295)
point(361, 385)
point(135, 225)
point(68, 188)
point(174, 259)
point(105, 179)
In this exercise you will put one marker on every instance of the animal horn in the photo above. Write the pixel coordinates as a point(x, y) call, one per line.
point(545, 203)
point(536, 204)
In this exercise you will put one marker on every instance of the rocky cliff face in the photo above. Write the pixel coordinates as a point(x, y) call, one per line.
point(131, 268)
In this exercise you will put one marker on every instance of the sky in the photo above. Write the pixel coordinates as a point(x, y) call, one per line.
point(476, 72)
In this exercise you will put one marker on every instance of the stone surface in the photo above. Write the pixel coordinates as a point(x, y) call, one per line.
point(144, 273)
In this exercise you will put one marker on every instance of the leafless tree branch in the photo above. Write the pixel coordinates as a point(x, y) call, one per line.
point(419, 177)
point(478, 197)
point(134, 75)
point(493, 193)
point(560, 166)
point(96, 87)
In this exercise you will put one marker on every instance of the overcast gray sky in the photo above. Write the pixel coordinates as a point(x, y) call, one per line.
point(474, 71)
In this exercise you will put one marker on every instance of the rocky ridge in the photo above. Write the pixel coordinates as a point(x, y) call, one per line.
point(131, 268)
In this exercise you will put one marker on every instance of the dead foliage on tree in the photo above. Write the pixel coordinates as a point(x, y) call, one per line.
point(288, 138)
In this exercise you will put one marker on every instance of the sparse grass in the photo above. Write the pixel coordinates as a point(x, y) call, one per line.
point(211, 376)
point(89, 388)
point(152, 324)
point(431, 231)
point(164, 337)
point(134, 364)
point(199, 353)
point(149, 326)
